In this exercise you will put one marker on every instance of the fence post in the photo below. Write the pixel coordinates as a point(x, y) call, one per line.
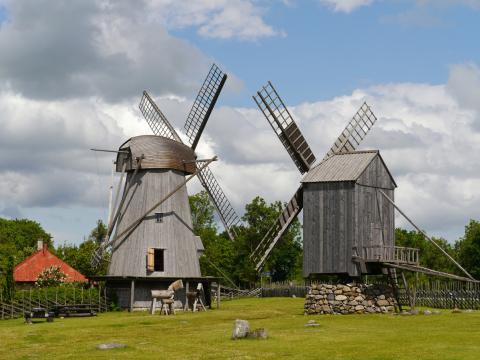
point(99, 297)
point(105, 297)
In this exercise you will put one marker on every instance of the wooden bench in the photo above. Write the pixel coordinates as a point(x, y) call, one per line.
point(38, 313)
point(74, 310)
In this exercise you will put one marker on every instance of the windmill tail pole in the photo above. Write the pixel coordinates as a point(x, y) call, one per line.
point(118, 208)
point(223, 274)
point(427, 237)
point(183, 183)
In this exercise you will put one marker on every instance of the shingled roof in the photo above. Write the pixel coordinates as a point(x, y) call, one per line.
point(341, 167)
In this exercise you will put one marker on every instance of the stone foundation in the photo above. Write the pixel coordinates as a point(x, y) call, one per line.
point(349, 299)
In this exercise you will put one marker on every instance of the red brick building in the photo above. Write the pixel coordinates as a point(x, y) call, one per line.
point(26, 273)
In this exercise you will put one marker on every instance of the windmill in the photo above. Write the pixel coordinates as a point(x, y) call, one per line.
point(347, 198)
point(150, 229)
point(282, 123)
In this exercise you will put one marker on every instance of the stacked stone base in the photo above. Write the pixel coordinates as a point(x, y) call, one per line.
point(349, 299)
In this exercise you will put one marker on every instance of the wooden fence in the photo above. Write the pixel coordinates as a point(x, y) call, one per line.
point(434, 293)
point(26, 300)
point(443, 295)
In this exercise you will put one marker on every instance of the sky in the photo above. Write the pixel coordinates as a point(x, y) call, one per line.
point(72, 73)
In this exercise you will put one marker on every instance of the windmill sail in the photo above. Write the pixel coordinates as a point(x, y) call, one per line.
point(275, 233)
point(282, 123)
point(349, 139)
point(155, 118)
point(204, 104)
point(227, 214)
point(354, 132)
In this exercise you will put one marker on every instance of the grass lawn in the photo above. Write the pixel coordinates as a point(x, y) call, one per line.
point(206, 335)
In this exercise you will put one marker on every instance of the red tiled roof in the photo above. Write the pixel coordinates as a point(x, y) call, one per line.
point(29, 269)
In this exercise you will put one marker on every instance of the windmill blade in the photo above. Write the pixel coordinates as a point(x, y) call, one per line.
point(282, 123)
point(227, 214)
point(155, 118)
point(354, 132)
point(204, 104)
point(274, 234)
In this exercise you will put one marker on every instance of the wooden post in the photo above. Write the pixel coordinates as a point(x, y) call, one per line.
point(218, 295)
point(105, 297)
point(132, 294)
point(99, 297)
point(407, 291)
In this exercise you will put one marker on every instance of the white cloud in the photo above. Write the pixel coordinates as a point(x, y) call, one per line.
point(346, 6)
point(428, 138)
point(222, 19)
point(427, 135)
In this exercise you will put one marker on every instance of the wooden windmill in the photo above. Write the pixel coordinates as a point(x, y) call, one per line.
point(150, 232)
point(347, 202)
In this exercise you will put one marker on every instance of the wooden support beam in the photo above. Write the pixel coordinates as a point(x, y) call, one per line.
point(132, 295)
point(135, 223)
point(427, 237)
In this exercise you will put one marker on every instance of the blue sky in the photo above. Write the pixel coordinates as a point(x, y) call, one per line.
point(325, 54)
point(71, 78)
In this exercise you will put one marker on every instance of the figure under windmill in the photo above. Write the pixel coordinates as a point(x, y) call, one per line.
point(347, 202)
point(150, 231)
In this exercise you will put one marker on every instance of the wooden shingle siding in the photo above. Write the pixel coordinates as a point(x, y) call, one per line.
point(174, 234)
point(328, 224)
point(339, 216)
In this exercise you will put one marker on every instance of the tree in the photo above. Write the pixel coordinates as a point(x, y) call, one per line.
point(468, 248)
point(80, 257)
point(284, 262)
point(98, 233)
point(226, 258)
point(430, 256)
point(202, 212)
point(18, 239)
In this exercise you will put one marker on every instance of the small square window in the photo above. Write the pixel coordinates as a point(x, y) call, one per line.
point(158, 217)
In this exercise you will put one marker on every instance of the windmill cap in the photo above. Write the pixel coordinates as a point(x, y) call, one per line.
point(155, 152)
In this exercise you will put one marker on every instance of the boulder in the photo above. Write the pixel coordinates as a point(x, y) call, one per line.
point(382, 302)
point(240, 329)
point(260, 333)
point(340, 297)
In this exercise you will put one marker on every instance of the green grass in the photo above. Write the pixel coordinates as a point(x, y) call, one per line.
point(206, 335)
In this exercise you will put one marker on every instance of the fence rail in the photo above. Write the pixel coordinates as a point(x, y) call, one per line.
point(26, 300)
point(444, 295)
point(396, 254)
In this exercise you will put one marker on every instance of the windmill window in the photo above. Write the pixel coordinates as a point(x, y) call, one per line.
point(156, 259)
point(159, 217)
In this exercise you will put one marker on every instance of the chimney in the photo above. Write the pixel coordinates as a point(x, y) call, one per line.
point(42, 245)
